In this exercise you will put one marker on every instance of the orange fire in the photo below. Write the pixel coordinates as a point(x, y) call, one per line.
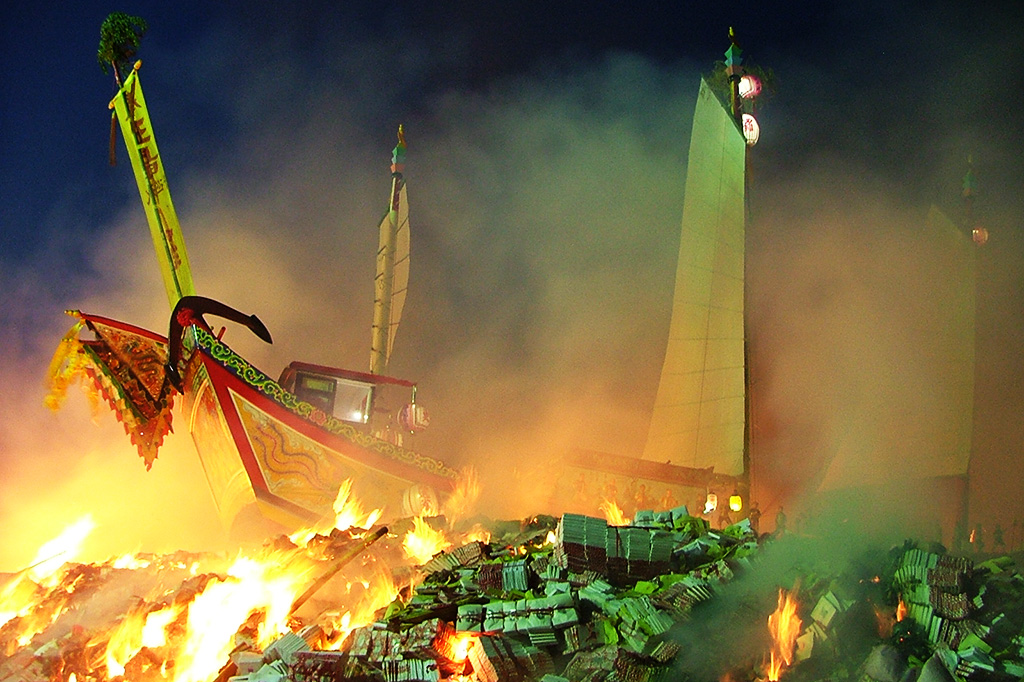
point(19, 596)
point(901, 610)
point(138, 630)
point(462, 642)
point(63, 548)
point(423, 542)
point(477, 534)
point(365, 598)
point(784, 626)
point(613, 514)
point(462, 500)
point(348, 511)
point(216, 614)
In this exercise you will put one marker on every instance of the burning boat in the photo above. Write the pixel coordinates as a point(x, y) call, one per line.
point(279, 449)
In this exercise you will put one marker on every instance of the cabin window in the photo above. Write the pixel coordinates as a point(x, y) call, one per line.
point(344, 399)
point(317, 391)
point(352, 400)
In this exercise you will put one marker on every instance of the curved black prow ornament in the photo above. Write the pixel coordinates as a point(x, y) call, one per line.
point(190, 310)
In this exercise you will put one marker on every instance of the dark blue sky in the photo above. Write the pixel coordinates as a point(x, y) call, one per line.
point(882, 82)
point(547, 150)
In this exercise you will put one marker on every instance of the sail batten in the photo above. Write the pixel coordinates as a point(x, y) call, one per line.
point(699, 413)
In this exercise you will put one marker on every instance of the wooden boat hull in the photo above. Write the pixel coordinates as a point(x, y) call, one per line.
point(260, 445)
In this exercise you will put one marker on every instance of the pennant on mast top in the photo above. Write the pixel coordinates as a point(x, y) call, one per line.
point(130, 107)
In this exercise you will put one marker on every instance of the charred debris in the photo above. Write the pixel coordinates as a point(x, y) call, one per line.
point(574, 598)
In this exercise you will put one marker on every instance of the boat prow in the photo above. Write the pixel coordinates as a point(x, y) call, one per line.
point(282, 448)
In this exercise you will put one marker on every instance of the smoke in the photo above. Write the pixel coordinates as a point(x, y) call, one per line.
point(545, 212)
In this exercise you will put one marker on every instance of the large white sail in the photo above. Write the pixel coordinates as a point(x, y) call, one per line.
point(929, 436)
point(699, 413)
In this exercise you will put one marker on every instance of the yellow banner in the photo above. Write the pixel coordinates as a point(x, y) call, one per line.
point(130, 106)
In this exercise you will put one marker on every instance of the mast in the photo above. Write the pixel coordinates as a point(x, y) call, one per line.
point(130, 108)
point(390, 283)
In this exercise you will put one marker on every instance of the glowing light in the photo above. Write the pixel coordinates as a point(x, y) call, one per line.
point(979, 235)
point(784, 627)
point(130, 561)
point(216, 614)
point(735, 502)
point(710, 503)
point(901, 610)
point(378, 591)
point(65, 547)
point(749, 86)
point(423, 542)
point(348, 511)
point(751, 129)
point(613, 514)
point(462, 500)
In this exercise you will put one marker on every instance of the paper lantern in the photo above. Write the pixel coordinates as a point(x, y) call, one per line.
point(751, 130)
point(749, 86)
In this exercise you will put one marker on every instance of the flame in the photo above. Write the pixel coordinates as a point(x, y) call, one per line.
point(462, 642)
point(19, 596)
point(137, 630)
point(901, 610)
point(423, 542)
point(551, 538)
point(378, 591)
point(216, 614)
point(477, 534)
point(784, 626)
point(463, 497)
point(348, 511)
point(613, 514)
point(130, 561)
point(63, 548)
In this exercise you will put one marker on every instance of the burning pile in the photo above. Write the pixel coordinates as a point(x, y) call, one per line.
point(574, 598)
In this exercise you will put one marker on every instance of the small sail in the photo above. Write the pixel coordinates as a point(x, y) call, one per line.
point(699, 415)
point(400, 280)
point(130, 107)
point(392, 279)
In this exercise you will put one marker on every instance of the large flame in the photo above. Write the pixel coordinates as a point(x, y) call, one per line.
point(784, 626)
point(138, 630)
point(613, 514)
point(423, 542)
point(63, 548)
point(217, 613)
point(18, 597)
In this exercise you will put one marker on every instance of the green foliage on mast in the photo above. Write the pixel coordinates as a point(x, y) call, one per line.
point(120, 36)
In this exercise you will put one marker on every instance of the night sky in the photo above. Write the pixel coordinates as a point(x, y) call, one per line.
point(546, 159)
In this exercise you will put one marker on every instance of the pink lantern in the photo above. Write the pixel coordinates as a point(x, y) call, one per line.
point(750, 86)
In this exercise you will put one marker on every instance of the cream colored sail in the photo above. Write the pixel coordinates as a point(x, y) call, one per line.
point(699, 412)
point(926, 426)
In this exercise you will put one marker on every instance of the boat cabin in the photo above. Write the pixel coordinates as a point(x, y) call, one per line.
point(354, 397)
